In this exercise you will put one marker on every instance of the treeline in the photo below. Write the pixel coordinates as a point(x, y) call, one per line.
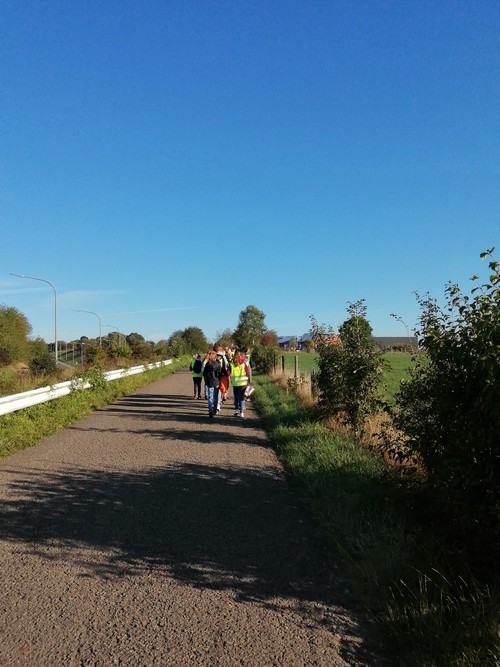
point(16, 344)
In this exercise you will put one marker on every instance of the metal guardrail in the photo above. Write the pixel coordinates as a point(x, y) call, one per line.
point(28, 398)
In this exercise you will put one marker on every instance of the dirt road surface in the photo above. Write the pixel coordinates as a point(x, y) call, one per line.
point(147, 534)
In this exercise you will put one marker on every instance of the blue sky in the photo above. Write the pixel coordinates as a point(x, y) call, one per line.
point(166, 164)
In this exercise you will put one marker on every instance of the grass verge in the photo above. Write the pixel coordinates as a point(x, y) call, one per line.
point(22, 429)
point(429, 606)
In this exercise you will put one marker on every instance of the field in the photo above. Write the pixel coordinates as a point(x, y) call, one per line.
point(397, 365)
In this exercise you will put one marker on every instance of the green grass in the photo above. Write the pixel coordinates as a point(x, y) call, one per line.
point(307, 361)
point(397, 365)
point(27, 427)
point(429, 609)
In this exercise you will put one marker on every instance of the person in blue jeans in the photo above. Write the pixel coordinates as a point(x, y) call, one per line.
point(239, 380)
point(211, 373)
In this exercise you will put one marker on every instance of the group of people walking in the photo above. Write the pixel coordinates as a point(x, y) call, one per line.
point(220, 368)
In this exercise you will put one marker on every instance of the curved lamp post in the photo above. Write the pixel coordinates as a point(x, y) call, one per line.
point(42, 280)
point(79, 310)
point(112, 326)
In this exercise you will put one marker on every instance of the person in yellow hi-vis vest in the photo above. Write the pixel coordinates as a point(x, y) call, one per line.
point(196, 371)
point(239, 380)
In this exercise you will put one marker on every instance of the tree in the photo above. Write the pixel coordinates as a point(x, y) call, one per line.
point(133, 338)
point(269, 339)
point(176, 344)
point(349, 368)
point(161, 349)
point(194, 340)
point(224, 337)
point(250, 327)
point(116, 345)
point(187, 341)
point(14, 333)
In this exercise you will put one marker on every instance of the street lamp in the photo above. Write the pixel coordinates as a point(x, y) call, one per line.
point(112, 326)
point(91, 313)
point(20, 275)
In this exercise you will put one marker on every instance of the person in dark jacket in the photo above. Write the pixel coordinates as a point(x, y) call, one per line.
point(211, 373)
point(195, 368)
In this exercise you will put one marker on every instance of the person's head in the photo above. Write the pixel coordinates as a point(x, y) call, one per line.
point(212, 355)
point(237, 357)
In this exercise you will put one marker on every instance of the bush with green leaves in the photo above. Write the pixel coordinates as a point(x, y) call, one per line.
point(43, 363)
point(14, 334)
point(450, 408)
point(349, 368)
point(263, 358)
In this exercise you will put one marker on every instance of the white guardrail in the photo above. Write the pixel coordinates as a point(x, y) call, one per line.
point(44, 394)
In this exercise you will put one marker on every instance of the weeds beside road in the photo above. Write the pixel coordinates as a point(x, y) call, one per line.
point(405, 564)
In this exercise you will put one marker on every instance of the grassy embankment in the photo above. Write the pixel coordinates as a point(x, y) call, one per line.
point(406, 568)
point(25, 428)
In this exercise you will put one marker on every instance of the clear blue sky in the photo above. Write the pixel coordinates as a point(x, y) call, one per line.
point(167, 163)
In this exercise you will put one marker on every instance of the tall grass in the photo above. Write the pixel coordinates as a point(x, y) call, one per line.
point(429, 608)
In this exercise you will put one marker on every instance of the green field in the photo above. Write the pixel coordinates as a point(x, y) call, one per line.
point(307, 361)
point(398, 364)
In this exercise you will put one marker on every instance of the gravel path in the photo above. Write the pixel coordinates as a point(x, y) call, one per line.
point(147, 534)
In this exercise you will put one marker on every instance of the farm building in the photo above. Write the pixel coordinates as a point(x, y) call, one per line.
point(293, 342)
point(384, 343)
point(287, 342)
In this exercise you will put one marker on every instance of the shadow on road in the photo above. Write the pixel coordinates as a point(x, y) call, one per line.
point(207, 526)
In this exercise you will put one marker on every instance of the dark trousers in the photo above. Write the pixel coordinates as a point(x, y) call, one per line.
point(197, 387)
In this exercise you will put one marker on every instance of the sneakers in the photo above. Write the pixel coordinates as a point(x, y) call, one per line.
point(210, 414)
point(236, 413)
point(242, 414)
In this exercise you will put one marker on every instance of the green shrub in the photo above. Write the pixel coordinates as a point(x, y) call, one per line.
point(263, 358)
point(449, 409)
point(349, 368)
point(43, 363)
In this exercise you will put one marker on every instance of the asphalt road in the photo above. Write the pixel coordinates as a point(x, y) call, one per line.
point(147, 534)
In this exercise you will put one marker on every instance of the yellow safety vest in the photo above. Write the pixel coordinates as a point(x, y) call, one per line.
point(239, 377)
point(196, 375)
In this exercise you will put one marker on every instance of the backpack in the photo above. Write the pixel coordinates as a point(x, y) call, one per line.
point(224, 366)
point(197, 366)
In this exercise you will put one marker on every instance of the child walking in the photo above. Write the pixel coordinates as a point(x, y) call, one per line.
point(211, 375)
point(239, 380)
